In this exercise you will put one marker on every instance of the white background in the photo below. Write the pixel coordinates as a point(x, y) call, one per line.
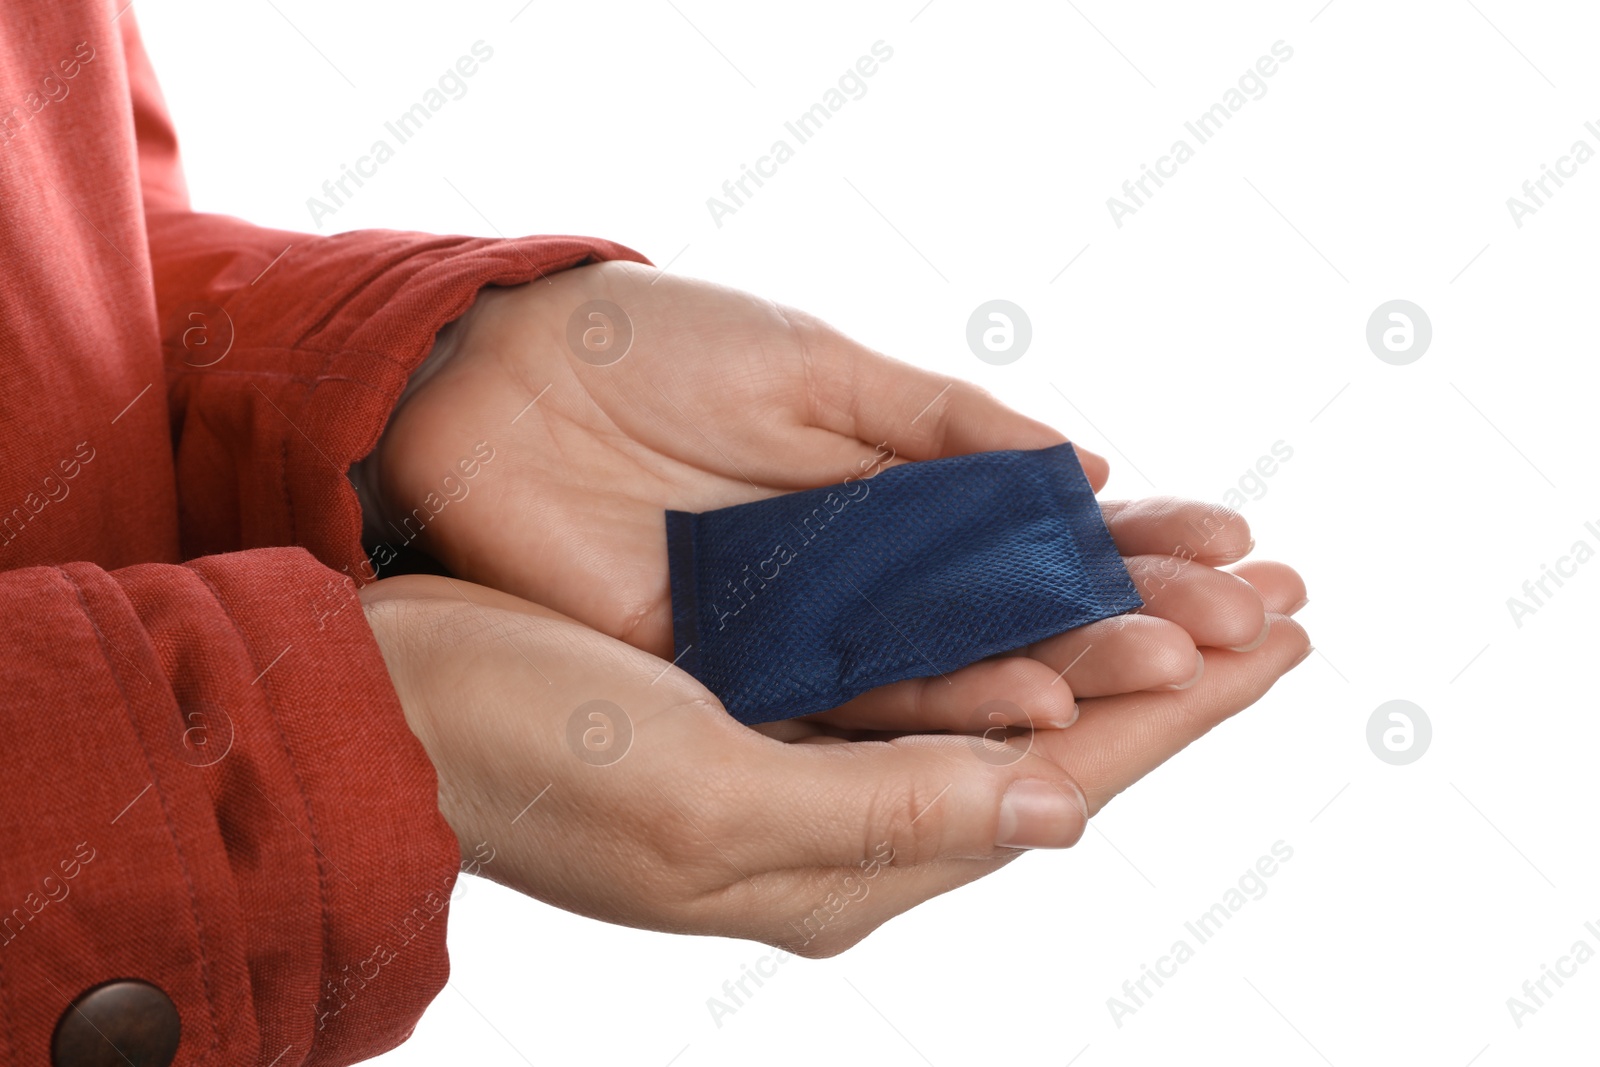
point(1227, 315)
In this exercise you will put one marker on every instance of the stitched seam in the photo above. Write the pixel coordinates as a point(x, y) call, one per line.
point(9, 1013)
point(504, 274)
point(172, 830)
point(288, 490)
point(283, 483)
point(305, 801)
point(269, 373)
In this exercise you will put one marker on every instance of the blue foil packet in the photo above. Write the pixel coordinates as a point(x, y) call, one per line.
point(797, 603)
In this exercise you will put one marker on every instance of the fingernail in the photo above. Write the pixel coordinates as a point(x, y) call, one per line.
point(1061, 722)
point(1199, 669)
point(1261, 638)
point(1249, 548)
point(1303, 602)
point(1035, 813)
point(1300, 659)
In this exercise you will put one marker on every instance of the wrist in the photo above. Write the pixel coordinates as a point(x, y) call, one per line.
point(397, 618)
point(366, 475)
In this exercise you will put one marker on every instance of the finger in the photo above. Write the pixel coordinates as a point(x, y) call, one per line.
point(1122, 654)
point(789, 731)
point(922, 415)
point(1283, 590)
point(1218, 609)
point(1120, 739)
point(1014, 691)
point(1189, 529)
point(929, 797)
point(1131, 736)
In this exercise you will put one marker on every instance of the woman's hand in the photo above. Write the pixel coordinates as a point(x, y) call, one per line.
point(680, 394)
point(609, 783)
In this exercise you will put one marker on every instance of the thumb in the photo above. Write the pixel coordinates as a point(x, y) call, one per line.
point(922, 799)
point(922, 415)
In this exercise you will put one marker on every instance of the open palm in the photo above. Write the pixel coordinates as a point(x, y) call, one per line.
point(610, 392)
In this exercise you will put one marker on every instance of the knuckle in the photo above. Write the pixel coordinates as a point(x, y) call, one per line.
point(1014, 673)
point(678, 845)
point(685, 840)
point(905, 815)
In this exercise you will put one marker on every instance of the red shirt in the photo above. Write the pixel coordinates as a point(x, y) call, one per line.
point(208, 781)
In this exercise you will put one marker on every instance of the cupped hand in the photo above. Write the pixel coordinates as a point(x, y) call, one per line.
point(610, 783)
point(611, 392)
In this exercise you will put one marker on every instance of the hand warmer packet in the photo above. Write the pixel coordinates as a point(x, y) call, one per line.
point(797, 603)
